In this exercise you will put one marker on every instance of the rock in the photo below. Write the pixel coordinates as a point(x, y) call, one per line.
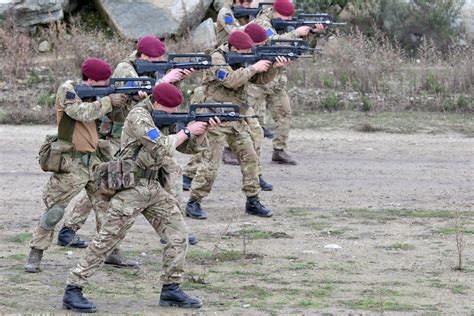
point(30, 12)
point(44, 47)
point(467, 15)
point(133, 19)
point(204, 36)
point(332, 246)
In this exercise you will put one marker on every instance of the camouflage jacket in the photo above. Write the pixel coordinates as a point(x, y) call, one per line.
point(227, 84)
point(226, 23)
point(84, 136)
point(155, 146)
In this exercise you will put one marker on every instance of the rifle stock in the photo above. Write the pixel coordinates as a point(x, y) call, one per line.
point(130, 86)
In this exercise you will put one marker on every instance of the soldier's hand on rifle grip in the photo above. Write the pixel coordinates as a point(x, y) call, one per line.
point(281, 61)
point(185, 73)
point(142, 94)
point(197, 128)
point(318, 28)
point(262, 65)
point(118, 99)
point(214, 122)
point(172, 76)
point(302, 31)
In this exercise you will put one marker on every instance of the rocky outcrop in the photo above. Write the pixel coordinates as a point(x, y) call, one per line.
point(204, 36)
point(134, 19)
point(30, 12)
point(468, 18)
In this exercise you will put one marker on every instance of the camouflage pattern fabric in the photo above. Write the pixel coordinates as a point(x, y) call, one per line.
point(226, 23)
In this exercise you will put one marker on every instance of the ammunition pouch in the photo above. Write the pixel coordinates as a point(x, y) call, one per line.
point(115, 175)
point(50, 155)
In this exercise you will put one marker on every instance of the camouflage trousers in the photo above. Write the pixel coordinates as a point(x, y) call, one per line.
point(259, 97)
point(237, 135)
point(160, 208)
point(59, 191)
point(256, 134)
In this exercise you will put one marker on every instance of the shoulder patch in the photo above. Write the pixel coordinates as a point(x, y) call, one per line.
point(269, 32)
point(221, 74)
point(153, 134)
point(70, 95)
point(228, 19)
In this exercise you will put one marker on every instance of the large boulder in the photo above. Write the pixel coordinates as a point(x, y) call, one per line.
point(468, 18)
point(28, 13)
point(204, 36)
point(134, 19)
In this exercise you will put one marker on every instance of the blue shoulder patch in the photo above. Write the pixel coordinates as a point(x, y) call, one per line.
point(228, 19)
point(269, 32)
point(221, 74)
point(153, 134)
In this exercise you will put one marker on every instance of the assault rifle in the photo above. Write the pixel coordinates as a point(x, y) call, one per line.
point(304, 19)
point(130, 86)
point(175, 61)
point(293, 49)
point(164, 119)
point(241, 12)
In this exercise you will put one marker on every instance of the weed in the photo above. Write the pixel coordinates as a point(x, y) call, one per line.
point(18, 256)
point(327, 81)
point(330, 102)
point(302, 265)
point(47, 99)
point(253, 233)
point(399, 246)
point(380, 305)
point(366, 105)
point(433, 85)
point(367, 128)
point(20, 238)
point(459, 289)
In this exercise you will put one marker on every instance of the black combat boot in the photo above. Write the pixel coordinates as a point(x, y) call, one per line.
point(192, 239)
point(67, 238)
point(255, 207)
point(268, 133)
point(116, 259)
point(264, 185)
point(73, 299)
point(194, 210)
point(229, 158)
point(34, 261)
point(187, 181)
point(173, 295)
point(281, 157)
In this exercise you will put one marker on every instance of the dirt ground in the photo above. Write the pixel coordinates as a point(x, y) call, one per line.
point(389, 200)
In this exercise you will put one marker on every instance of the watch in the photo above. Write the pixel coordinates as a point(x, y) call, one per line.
point(187, 132)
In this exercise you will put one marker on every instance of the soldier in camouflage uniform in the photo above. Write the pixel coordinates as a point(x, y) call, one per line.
point(276, 93)
point(227, 84)
point(148, 48)
point(76, 117)
point(152, 149)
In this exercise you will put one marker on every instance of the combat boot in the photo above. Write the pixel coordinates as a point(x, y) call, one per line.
point(192, 240)
point(34, 260)
point(173, 295)
point(281, 157)
point(255, 207)
point(118, 260)
point(264, 185)
point(229, 158)
point(67, 238)
point(73, 299)
point(187, 181)
point(268, 133)
point(194, 210)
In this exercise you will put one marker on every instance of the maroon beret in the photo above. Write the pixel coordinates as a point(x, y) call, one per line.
point(151, 46)
point(284, 7)
point(240, 40)
point(167, 95)
point(256, 32)
point(96, 69)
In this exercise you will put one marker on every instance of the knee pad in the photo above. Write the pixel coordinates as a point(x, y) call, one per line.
point(52, 216)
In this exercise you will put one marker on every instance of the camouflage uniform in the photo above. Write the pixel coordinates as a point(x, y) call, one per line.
point(278, 98)
point(226, 23)
point(161, 208)
point(62, 187)
point(225, 84)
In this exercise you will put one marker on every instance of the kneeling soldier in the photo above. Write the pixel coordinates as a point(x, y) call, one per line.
point(151, 149)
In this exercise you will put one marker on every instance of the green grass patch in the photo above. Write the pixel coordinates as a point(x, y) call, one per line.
point(307, 303)
point(256, 292)
point(205, 256)
point(18, 256)
point(379, 304)
point(392, 214)
point(253, 233)
point(454, 230)
point(296, 212)
point(302, 266)
point(20, 238)
point(322, 291)
point(459, 289)
point(399, 246)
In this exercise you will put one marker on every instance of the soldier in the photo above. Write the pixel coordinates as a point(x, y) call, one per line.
point(151, 149)
point(76, 126)
point(227, 84)
point(278, 97)
point(148, 48)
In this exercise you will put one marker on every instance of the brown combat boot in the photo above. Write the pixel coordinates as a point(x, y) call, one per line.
point(281, 157)
point(116, 259)
point(229, 157)
point(34, 261)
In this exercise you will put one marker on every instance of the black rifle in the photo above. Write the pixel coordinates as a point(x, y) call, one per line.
point(271, 52)
point(164, 119)
point(128, 86)
point(241, 12)
point(304, 19)
point(175, 61)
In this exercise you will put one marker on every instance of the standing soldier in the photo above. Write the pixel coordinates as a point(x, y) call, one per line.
point(148, 48)
point(76, 126)
point(151, 148)
point(227, 84)
point(278, 98)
